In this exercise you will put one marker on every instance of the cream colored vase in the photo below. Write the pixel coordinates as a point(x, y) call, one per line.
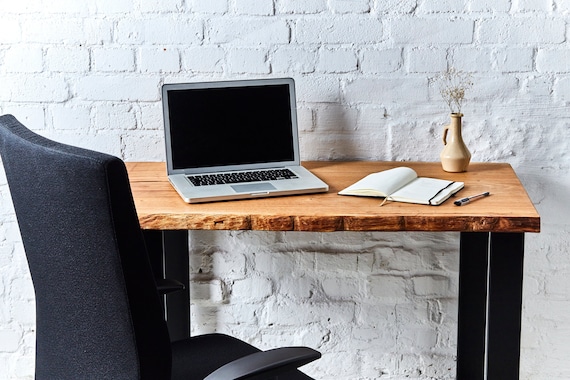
point(455, 156)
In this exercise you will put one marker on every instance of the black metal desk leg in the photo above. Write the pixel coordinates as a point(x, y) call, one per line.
point(505, 302)
point(168, 251)
point(472, 313)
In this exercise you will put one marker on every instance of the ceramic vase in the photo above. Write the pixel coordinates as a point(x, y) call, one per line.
point(455, 156)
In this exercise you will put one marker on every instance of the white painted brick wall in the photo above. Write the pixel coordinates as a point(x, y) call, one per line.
point(112, 60)
point(67, 59)
point(378, 305)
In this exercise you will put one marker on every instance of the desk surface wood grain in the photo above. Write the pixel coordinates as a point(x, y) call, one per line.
point(508, 209)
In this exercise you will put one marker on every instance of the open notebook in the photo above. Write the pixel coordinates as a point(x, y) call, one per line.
point(402, 184)
point(234, 140)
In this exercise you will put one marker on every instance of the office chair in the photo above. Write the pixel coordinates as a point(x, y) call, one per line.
point(98, 310)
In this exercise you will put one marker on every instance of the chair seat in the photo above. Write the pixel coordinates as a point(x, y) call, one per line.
point(189, 363)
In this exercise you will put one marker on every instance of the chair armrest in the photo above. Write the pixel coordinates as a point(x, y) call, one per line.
point(265, 364)
point(166, 286)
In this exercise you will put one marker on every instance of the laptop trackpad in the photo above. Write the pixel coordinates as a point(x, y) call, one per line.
point(253, 187)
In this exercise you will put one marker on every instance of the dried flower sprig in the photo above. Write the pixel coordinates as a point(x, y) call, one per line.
point(452, 86)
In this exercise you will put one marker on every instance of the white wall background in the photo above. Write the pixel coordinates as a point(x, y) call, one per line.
point(377, 305)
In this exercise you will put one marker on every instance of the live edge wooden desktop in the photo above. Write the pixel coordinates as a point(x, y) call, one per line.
point(491, 244)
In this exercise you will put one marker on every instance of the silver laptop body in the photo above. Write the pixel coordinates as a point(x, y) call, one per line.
point(218, 133)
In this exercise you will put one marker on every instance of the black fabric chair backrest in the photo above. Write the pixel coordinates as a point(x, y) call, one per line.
point(89, 265)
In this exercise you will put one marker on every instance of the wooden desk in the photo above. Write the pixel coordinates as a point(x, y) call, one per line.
point(491, 241)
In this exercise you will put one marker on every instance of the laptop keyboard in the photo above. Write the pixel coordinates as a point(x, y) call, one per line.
point(239, 177)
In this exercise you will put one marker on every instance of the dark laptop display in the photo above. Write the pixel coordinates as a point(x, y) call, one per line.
point(230, 126)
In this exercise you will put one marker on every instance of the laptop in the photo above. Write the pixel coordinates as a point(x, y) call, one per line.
point(234, 140)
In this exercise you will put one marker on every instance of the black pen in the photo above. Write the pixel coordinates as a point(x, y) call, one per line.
point(464, 201)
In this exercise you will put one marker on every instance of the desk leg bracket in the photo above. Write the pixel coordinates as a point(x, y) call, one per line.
point(169, 256)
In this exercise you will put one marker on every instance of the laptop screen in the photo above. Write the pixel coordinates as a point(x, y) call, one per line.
point(230, 125)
